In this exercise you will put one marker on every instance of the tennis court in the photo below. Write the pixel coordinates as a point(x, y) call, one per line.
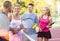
point(54, 32)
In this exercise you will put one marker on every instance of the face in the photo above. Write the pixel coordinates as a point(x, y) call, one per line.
point(44, 11)
point(16, 9)
point(9, 8)
point(30, 8)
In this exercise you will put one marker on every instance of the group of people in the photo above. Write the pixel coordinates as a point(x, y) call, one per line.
point(15, 26)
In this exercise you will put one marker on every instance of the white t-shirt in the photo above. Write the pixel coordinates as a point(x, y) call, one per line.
point(4, 24)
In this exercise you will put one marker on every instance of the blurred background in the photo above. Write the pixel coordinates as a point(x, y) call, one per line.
point(53, 5)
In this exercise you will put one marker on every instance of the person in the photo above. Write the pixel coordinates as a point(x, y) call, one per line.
point(15, 24)
point(4, 21)
point(29, 19)
point(44, 24)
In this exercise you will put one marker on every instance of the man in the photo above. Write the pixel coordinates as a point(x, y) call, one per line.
point(29, 19)
point(4, 21)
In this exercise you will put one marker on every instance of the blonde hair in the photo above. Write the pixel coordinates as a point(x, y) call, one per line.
point(48, 11)
point(16, 5)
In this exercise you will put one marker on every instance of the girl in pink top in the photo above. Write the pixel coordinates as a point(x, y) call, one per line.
point(44, 22)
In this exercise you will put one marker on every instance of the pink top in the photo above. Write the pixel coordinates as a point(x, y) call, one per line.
point(44, 23)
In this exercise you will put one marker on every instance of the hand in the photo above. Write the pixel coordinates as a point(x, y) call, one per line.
point(40, 30)
point(48, 26)
point(37, 29)
point(23, 30)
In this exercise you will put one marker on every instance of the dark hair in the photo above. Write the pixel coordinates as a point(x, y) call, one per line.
point(7, 4)
point(31, 4)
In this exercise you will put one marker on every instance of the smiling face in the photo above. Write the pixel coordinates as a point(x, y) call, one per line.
point(30, 8)
point(16, 9)
point(44, 11)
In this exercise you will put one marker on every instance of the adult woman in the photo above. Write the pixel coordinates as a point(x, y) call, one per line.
point(44, 25)
point(15, 25)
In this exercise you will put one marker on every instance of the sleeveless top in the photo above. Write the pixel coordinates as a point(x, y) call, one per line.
point(15, 23)
point(44, 23)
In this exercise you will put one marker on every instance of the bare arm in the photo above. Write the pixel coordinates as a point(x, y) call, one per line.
point(50, 21)
point(10, 17)
point(38, 29)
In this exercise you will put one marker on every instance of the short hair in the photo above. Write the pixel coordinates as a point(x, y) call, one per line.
point(31, 4)
point(7, 4)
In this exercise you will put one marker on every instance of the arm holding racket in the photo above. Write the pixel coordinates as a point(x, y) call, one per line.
point(50, 23)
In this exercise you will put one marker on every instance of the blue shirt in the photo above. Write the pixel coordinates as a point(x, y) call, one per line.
point(29, 19)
